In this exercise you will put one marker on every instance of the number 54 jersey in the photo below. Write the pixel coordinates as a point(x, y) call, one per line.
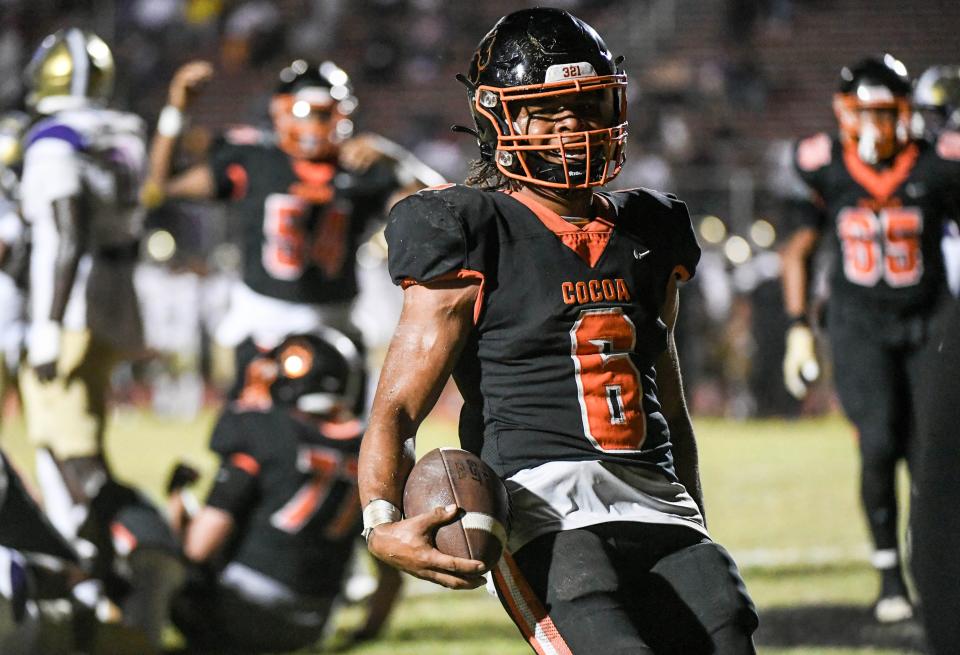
point(560, 363)
point(887, 223)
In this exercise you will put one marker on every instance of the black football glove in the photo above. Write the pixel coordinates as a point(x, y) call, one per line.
point(183, 475)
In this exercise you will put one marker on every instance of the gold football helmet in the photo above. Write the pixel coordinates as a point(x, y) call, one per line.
point(936, 101)
point(71, 68)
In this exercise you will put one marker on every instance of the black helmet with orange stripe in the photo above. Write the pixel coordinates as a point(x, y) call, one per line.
point(872, 106)
point(317, 372)
point(311, 108)
point(537, 56)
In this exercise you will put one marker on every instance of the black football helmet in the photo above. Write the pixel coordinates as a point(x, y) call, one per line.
point(538, 54)
point(874, 84)
point(317, 372)
point(311, 109)
point(936, 101)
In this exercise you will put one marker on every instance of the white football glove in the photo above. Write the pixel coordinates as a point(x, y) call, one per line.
point(800, 365)
point(43, 342)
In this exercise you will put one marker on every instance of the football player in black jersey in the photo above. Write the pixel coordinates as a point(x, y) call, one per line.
point(934, 518)
point(274, 542)
point(881, 197)
point(307, 193)
point(552, 304)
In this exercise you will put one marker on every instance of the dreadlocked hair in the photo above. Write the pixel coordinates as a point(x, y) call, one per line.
point(485, 175)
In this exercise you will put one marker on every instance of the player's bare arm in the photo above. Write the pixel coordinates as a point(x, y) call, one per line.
point(434, 324)
point(674, 405)
point(795, 261)
point(207, 533)
point(800, 365)
point(196, 182)
point(389, 583)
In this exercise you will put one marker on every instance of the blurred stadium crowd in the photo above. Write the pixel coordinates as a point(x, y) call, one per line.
point(720, 90)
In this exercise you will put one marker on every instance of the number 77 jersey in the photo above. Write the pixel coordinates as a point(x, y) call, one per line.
point(887, 223)
point(560, 362)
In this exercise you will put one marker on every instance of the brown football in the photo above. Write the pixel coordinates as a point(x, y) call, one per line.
point(450, 475)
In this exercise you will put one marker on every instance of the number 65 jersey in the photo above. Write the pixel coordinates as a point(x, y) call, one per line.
point(887, 223)
point(560, 363)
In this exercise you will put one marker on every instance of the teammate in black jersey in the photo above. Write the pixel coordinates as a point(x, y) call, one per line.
point(306, 193)
point(882, 198)
point(275, 540)
point(934, 518)
point(552, 304)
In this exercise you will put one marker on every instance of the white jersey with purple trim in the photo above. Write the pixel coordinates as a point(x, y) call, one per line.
point(100, 157)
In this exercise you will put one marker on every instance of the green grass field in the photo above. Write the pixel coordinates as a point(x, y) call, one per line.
point(781, 496)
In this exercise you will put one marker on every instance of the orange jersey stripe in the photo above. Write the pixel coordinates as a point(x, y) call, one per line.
point(245, 462)
point(462, 274)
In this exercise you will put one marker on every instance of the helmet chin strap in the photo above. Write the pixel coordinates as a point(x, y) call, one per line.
point(541, 169)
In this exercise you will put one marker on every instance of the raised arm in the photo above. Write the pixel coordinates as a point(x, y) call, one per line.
point(434, 324)
point(196, 182)
point(674, 405)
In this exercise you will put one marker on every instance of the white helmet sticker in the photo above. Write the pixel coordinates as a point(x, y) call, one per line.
point(874, 94)
point(561, 72)
point(315, 95)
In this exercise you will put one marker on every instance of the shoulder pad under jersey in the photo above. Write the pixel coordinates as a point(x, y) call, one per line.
point(240, 431)
point(948, 145)
point(661, 220)
point(438, 231)
point(813, 152)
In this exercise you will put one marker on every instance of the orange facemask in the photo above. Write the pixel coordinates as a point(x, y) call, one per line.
point(310, 126)
point(583, 158)
point(877, 127)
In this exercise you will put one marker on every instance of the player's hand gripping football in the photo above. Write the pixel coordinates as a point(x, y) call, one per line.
point(800, 365)
point(408, 546)
point(187, 81)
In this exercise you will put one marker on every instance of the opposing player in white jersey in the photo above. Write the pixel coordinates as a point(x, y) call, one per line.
point(13, 247)
point(83, 169)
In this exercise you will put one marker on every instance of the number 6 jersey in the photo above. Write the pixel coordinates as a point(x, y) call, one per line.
point(560, 364)
point(887, 223)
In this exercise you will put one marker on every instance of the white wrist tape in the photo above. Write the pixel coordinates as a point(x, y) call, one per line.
point(170, 122)
point(377, 512)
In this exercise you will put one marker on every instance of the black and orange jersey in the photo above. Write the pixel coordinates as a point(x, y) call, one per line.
point(560, 363)
point(886, 224)
point(302, 221)
point(291, 486)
